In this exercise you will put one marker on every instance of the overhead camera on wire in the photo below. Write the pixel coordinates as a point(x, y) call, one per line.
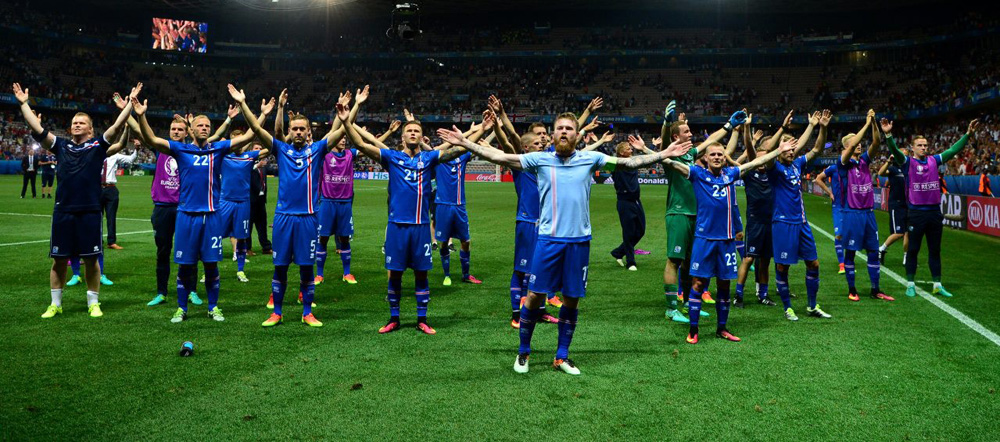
point(405, 22)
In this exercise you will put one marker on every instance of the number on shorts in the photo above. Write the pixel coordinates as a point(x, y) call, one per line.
point(216, 242)
point(585, 273)
point(246, 224)
point(731, 259)
point(427, 250)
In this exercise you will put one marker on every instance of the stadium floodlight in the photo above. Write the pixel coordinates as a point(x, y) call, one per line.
point(405, 22)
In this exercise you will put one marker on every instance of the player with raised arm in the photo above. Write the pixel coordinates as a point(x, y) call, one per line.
point(526, 219)
point(858, 227)
point(562, 254)
point(790, 231)
point(234, 206)
point(76, 217)
point(681, 212)
point(408, 236)
point(896, 182)
point(923, 197)
point(713, 252)
point(760, 209)
point(451, 219)
point(336, 208)
point(296, 227)
point(199, 228)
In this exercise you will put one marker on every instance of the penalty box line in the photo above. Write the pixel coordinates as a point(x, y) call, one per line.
point(967, 321)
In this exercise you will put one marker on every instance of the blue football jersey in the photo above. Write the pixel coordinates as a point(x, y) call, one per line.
point(236, 170)
point(199, 171)
point(526, 186)
point(79, 173)
point(450, 177)
point(716, 197)
point(409, 185)
point(564, 192)
point(833, 172)
point(299, 174)
point(786, 182)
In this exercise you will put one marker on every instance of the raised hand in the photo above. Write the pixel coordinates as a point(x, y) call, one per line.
point(453, 136)
point(871, 116)
point(494, 104)
point(757, 136)
point(973, 125)
point(237, 94)
point(135, 91)
point(825, 118)
point(589, 137)
point(682, 117)
point(749, 119)
point(343, 112)
point(344, 98)
point(408, 115)
point(788, 119)
point(266, 106)
point(20, 94)
point(636, 142)
point(657, 142)
point(592, 125)
point(283, 98)
point(607, 137)
point(137, 107)
point(789, 145)
point(361, 95)
point(737, 118)
point(394, 125)
point(595, 104)
point(676, 149)
point(235, 110)
point(119, 101)
point(489, 119)
point(814, 118)
point(886, 125)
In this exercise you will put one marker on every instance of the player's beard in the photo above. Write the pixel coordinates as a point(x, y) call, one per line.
point(565, 148)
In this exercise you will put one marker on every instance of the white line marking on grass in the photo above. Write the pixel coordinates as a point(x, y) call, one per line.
point(50, 216)
point(969, 322)
point(45, 240)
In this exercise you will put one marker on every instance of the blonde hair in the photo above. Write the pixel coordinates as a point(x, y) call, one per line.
point(567, 116)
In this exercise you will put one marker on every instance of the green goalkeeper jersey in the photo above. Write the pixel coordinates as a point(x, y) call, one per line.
point(680, 193)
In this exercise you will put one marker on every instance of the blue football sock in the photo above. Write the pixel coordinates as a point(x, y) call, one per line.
point(345, 256)
point(241, 254)
point(739, 291)
point(812, 286)
point(781, 280)
point(279, 283)
point(874, 271)
point(320, 259)
point(463, 256)
point(423, 294)
point(741, 247)
point(395, 287)
point(185, 282)
point(75, 264)
point(528, 319)
point(100, 262)
point(849, 272)
point(516, 291)
point(762, 291)
point(307, 285)
point(212, 286)
point(839, 246)
point(567, 325)
point(722, 304)
point(446, 260)
point(694, 309)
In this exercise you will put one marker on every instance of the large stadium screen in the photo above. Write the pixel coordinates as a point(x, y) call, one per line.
point(179, 35)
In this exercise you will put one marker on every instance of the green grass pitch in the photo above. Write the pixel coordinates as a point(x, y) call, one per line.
point(876, 371)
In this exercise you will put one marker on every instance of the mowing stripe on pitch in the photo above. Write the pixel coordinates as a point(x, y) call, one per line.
point(969, 322)
point(50, 216)
point(45, 240)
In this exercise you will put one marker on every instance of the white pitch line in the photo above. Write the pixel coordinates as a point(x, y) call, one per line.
point(50, 216)
point(45, 240)
point(969, 322)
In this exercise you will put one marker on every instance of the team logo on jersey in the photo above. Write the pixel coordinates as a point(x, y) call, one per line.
point(170, 167)
point(290, 152)
point(400, 162)
point(309, 151)
point(420, 164)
